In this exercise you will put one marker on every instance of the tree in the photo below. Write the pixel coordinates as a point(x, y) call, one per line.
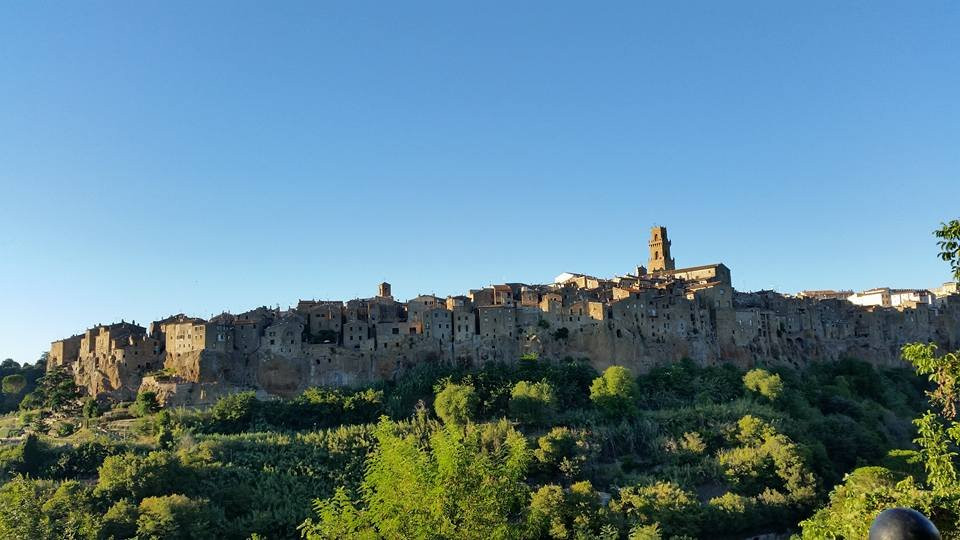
point(41, 510)
point(133, 476)
point(764, 383)
point(234, 412)
point(164, 427)
point(172, 517)
point(456, 403)
point(9, 363)
point(767, 465)
point(564, 450)
point(21, 514)
point(120, 520)
point(145, 404)
point(91, 409)
point(466, 483)
point(949, 243)
point(571, 513)
point(675, 509)
point(55, 391)
point(70, 512)
point(532, 403)
point(939, 431)
point(615, 392)
point(41, 362)
point(865, 492)
point(13, 384)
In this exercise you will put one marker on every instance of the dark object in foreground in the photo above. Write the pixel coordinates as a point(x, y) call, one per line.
point(903, 524)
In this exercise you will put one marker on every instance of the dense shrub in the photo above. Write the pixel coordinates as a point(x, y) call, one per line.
point(145, 404)
point(532, 403)
point(456, 404)
point(174, 517)
point(763, 382)
point(615, 392)
point(673, 508)
point(463, 485)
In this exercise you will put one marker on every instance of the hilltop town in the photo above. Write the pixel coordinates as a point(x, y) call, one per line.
point(653, 314)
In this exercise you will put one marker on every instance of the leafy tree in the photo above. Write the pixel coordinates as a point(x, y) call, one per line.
point(463, 485)
point(164, 428)
point(564, 450)
point(133, 476)
point(13, 384)
point(120, 520)
point(9, 363)
point(767, 465)
point(572, 513)
point(456, 404)
point(42, 510)
point(685, 383)
point(234, 412)
point(145, 404)
point(532, 403)
point(21, 514)
point(81, 460)
point(865, 493)
point(91, 409)
point(676, 510)
point(615, 392)
point(32, 400)
point(764, 383)
point(646, 532)
point(949, 243)
point(938, 433)
point(174, 516)
point(70, 512)
point(55, 391)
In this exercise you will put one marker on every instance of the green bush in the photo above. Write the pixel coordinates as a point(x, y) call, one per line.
point(133, 476)
point(174, 517)
point(676, 510)
point(120, 520)
point(462, 484)
point(615, 392)
point(13, 384)
point(91, 409)
point(532, 403)
point(145, 404)
point(456, 404)
point(764, 383)
point(571, 513)
point(233, 412)
point(865, 493)
point(564, 451)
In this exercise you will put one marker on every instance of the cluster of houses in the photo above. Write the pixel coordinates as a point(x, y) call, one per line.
point(652, 314)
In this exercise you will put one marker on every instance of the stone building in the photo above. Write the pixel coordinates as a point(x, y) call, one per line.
point(660, 259)
point(65, 352)
point(658, 314)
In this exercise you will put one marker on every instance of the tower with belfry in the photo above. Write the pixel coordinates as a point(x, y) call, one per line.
point(660, 259)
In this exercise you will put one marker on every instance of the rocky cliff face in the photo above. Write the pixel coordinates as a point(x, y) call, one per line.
point(752, 328)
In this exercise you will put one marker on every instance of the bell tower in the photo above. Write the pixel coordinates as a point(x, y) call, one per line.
point(660, 259)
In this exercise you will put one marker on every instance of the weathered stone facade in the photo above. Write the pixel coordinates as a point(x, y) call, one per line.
point(637, 320)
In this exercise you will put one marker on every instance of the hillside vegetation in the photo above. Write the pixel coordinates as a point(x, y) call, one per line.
point(535, 449)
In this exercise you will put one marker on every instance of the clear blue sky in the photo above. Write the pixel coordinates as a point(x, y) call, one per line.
point(159, 157)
